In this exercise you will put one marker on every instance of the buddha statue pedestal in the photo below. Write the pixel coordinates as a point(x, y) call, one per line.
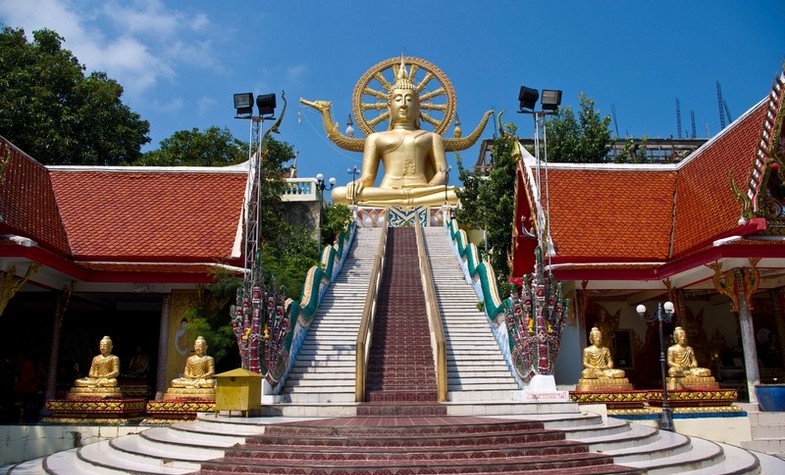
point(180, 404)
point(93, 393)
point(605, 385)
point(96, 410)
point(177, 409)
point(692, 383)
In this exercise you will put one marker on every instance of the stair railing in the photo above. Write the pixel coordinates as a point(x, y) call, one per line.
point(434, 318)
point(301, 313)
point(364, 333)
point(482, 278)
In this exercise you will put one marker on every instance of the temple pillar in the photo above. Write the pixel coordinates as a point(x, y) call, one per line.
point(61, 304)
point(739, 285)
point(161, 381)
point(779, 319)
point(750, 348)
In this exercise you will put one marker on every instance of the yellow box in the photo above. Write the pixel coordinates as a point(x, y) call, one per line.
point(238, 390)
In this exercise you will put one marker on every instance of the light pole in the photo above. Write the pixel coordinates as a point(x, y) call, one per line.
point(549, 101)
point(353, 172)
point(446, 171)
point(320, 187)
point(664, 314)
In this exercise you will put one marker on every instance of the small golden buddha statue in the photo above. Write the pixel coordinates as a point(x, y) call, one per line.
point(683, 369)
point(415, 167)
point(598, 372)
point(101, 380)
point(198, 380)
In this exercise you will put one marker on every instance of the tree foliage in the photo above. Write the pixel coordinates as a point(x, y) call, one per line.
point(337, 217)
point(214, 147)
point(52, 111)
point(488, 203)
point(586, 139)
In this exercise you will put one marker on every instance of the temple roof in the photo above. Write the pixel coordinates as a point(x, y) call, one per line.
point(651, 220)
point(149, 215)
point(117, 223)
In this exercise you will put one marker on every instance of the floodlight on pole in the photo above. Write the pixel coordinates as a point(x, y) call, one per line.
point(527, 97)
point(551, 99)
point(243, 104)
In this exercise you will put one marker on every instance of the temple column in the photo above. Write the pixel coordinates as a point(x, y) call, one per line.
point(750, 348)
point(163, 348)
point(739, 284)
point(61, 304)
point(779, 318)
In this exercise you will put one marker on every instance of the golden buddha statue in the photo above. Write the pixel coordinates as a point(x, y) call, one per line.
point(598, 372)
point(683, 369)
point(101, 380)
point(415, 167)
point(198, 380)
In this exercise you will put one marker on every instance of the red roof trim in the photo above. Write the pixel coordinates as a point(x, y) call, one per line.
point(676, 266)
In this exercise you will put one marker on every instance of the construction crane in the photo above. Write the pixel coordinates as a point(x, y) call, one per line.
point(615, 122)
point(678, 118)
point(692, 123)
point(723, 108)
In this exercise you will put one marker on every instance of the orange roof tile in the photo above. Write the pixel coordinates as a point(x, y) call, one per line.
point(705, 205)
point(148, 215)
point(617, 214)
point(651, 213)
point(27, 202)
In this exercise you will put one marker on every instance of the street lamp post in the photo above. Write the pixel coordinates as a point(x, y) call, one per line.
point(446, 172)
point(320, 187)
point(353, 172)
point(664, 314)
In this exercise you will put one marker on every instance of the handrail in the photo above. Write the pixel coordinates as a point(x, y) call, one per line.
point(434, 319)
point(300, 313)
point(363, 344)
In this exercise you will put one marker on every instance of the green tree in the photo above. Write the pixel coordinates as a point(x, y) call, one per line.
point(586, 139)
point(488, 203)
point(214, 147)
point(337, 217)
point(51, 110)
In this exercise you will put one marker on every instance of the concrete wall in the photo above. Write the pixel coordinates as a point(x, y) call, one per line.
point(19, 443)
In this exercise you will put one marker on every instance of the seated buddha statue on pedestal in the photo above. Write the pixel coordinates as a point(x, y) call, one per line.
point(598, 372)
point(683, 369)
point(198, 380)
point(101, 380)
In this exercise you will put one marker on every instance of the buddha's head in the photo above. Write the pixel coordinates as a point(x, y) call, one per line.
point(595, 336)
point(680, 336)
point(105, 345)
point(200, 346)
point(403, 100)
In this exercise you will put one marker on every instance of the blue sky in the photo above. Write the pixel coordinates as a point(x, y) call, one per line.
point(181, 61)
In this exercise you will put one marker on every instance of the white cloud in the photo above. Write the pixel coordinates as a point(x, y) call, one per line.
point(138, 43)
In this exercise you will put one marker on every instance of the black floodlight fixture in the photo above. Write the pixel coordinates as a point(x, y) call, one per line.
point(266, 104)
point(243, 103)
point(528, 98)
point(551, 99)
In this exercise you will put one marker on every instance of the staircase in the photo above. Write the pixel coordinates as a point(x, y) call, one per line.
point(401, 378)
point(476, 369)
point(768, 431)
point(537, 444)
point(324, 372)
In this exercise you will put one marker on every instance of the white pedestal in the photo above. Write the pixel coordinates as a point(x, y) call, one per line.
point(542, 388)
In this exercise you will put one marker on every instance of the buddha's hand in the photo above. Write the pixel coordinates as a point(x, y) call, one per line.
point(354, 189)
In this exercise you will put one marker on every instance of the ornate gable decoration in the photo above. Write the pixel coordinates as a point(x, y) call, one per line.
point(765, 194)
